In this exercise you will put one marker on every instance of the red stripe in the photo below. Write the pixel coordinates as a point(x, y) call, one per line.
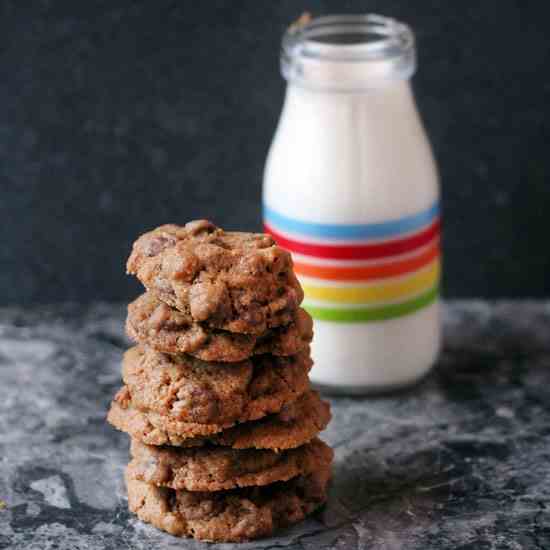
point(358, 252)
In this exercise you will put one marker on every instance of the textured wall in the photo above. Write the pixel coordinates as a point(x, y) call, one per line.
point(117, 116)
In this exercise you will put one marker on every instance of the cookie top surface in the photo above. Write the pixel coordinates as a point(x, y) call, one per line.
point(228, 516)
point(190, 389)
point(240, 282)
point(167, 330)
point(213, 468)
point(295, 424)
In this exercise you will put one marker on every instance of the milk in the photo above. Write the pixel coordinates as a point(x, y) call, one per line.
point(351, 189)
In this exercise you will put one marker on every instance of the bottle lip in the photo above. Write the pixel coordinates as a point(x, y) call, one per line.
point(347, 52)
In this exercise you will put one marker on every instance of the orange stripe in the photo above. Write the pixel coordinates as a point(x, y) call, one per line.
point(362, 273)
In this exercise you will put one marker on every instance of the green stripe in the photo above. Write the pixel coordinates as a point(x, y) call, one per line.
point(382, 313)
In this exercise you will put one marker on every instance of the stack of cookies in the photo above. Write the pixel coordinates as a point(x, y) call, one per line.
point(217, 401)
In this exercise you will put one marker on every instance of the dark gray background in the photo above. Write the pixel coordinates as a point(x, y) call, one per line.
point(117, 116)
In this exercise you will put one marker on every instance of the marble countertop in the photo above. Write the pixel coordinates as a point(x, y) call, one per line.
point(460, 461)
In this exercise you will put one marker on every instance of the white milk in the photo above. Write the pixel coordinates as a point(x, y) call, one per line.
point(351, 189)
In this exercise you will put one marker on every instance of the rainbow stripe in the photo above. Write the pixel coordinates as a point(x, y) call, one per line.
point(363, 272)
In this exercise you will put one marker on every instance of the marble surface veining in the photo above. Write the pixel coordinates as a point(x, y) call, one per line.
point(460, 461)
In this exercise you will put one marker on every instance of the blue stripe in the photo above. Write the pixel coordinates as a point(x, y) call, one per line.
point(381, 230)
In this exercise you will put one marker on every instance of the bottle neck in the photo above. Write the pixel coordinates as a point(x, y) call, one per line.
point(393, 100)
point(348, 53)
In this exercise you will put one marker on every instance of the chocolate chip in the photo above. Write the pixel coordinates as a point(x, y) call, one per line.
point(157, 244)
point(253, 315)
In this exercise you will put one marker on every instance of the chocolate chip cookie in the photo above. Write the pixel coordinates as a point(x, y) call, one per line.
point(216, 468)
point(192, 390)
point(295, 424)
point(228, 516)
point(238, 282)
point(166, 329)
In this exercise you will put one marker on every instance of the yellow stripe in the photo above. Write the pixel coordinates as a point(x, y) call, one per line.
point(386, 291)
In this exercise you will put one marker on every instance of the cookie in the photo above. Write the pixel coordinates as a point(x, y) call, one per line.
point(189, 389)
point(152, 427)
point(239, 282)
point(295, 424)
point(216, 468)
point(167, 330)
point(228, 516)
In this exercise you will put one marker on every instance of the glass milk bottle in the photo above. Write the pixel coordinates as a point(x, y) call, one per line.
point(351, 190)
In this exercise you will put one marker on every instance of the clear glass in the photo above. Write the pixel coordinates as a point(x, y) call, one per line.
point(350, 157)
point(327, 51)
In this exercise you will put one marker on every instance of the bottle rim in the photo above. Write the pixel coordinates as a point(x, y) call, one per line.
point(347, 51)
